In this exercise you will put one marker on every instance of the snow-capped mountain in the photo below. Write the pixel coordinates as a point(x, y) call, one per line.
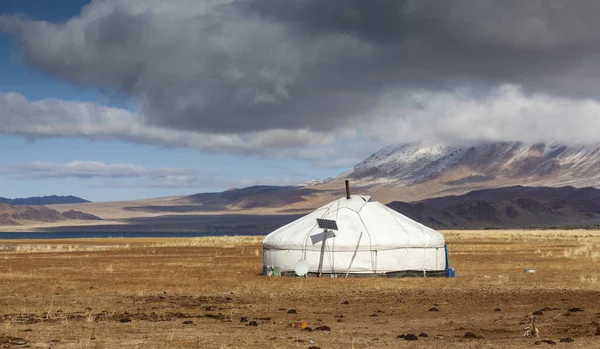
point(437, 169)
point(404, 164)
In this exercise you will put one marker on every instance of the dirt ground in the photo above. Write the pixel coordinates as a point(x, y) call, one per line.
point(208, 293)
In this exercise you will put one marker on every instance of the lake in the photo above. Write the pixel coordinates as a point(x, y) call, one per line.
point(115, 234)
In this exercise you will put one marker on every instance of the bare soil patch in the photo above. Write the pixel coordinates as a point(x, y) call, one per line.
point(192, 293)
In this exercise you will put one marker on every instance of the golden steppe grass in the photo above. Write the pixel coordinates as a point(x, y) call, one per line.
point(137, 293)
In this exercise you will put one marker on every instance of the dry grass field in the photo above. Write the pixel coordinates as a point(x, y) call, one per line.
point(208, 293)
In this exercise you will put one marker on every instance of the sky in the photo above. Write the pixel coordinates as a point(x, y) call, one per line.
point(127, 99)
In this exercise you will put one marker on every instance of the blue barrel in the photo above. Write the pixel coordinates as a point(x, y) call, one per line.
point(450, 272)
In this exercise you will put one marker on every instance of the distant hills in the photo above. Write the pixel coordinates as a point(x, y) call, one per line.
point(509, 207)
point(258, 196)
point(254, 197)
point(44, 200)
point(23, 214)
point(485, 185)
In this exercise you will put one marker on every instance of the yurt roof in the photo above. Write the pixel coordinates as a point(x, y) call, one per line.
point(358, 216)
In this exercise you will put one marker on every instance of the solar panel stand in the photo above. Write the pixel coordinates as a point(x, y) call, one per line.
point(322, 252)
point(327, 225)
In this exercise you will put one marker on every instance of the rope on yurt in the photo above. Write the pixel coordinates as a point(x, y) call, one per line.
point(354, 255)
point(389, 210)
point(370, 240)
point(332, 252)
point(373, 264)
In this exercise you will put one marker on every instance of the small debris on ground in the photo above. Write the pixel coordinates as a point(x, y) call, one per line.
point(218, 316)
point(574, 310)
point(298, 324)
point(538, 313)
point(423, 334)
point(567, 340)
point(547, 341)
point(411, 337)
point(292, 311)
point(434, 309)
point(345, 302)
point(12, 341)
point(188, 322)
point(244, 319)
point(323, 328)
point(497, 309)
point(252, 323)
point(470, 335)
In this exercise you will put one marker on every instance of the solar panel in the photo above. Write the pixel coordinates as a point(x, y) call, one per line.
point(327, 224)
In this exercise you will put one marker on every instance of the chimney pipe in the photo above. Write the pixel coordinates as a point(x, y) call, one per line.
point(347, 190)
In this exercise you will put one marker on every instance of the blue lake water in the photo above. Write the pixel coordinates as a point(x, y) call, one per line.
point(80, 235)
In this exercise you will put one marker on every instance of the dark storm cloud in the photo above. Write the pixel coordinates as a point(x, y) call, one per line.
point(437, 44)
point(232, 67)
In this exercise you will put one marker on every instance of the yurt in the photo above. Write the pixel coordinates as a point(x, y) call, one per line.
point(368, 239)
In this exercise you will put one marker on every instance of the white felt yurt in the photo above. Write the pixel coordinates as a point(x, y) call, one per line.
point(372, 239)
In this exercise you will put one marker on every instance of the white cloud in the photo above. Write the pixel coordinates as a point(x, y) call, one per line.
point(505, 113)
point(59, 118)
point(91, 169)
point(99, 174)
point(114, 173)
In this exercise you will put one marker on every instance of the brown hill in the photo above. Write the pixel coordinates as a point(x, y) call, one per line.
point(509, 207)
point(16, 215)
point(44, 200)
point(268, 199)
point(72, 214)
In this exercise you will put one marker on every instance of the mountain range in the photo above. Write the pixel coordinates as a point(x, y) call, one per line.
point(509, 207)
point(13, 215)
point(413, 172)
point(501, 184)
point(44, 200)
